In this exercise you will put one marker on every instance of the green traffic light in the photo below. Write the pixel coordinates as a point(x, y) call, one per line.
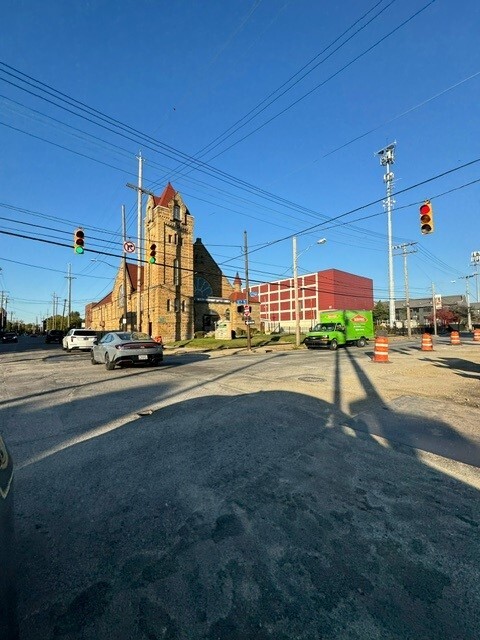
point(152, 260)
point(79, 250)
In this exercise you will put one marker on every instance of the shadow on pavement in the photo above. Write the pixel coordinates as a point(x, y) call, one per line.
point(246, 517)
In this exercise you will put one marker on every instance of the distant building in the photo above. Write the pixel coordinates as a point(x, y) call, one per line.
point(421, 309)
point(328, 289)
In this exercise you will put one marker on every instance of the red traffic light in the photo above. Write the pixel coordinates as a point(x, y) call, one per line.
point(79, 241)
point(426, 217)
point(153, 253)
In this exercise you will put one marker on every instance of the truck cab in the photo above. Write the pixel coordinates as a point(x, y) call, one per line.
point(342, 327)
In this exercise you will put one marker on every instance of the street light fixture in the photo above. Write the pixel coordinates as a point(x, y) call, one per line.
point(295, 284)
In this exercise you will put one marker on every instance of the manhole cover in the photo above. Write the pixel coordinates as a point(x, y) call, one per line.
point(311, 379)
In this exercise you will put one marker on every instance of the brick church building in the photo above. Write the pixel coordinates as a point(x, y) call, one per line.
point(183, 292)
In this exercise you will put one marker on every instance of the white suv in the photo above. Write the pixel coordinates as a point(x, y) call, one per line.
point(79, 339)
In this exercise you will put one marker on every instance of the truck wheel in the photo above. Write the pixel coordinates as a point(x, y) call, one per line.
point(333, 345)
point(361, 342)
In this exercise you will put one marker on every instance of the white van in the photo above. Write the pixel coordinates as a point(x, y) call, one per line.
point(79, 339)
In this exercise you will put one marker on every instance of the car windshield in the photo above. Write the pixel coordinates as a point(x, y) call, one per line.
point(77, 332)
point(324, 327)
point(133, 336)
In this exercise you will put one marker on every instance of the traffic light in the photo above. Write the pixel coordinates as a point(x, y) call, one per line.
point(426, 218)
point(240, 308)
point(79, 241)
point(153, 253)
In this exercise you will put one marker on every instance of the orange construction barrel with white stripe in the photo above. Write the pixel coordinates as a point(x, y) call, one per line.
point(455, 337)
point(380, 351)
point(427, 343)
point(476, 335)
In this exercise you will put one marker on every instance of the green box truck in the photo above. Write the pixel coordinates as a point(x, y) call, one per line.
point(341, 326)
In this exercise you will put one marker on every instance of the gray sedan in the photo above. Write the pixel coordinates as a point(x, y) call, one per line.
point(126, 348)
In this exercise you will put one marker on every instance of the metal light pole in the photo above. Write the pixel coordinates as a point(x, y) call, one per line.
point(475, 258)
point(467, 292)
point(434, 310)
point(295, 285)
point(387, 158)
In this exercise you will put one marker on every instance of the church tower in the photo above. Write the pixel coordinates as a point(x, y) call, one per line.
point(167, 300)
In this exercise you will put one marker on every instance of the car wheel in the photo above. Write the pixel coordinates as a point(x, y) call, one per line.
point(92, 358)
point(109, 366)
point(333, 345)
point(361, 342)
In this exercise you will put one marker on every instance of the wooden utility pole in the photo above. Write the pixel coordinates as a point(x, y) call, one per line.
point(403, 247)
point(125, 308)
point(247, 288)
point(140, 191)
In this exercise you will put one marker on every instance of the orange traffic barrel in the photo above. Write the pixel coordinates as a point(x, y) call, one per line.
point(380, 352)
point(427, 343)
point(455, 337)
point(476, 335)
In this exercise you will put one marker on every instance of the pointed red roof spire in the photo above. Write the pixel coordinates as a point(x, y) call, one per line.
point(166, 197)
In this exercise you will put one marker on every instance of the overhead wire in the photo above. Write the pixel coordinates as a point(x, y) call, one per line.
point(234, 128)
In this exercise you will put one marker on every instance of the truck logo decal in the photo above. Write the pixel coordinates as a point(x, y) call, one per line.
point(359, 318)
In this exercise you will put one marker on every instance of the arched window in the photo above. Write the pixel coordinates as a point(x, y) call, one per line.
point(183, 306)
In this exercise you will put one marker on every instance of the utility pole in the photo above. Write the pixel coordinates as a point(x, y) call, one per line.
point(467, 291)
point(295, 289)
point(53, 324)
point(247, 288)
point(124, 230)
point(69, 278)
point(403, 247)
point(1, 312)
point(140, 191)
point(387, 158)
point(63, 313)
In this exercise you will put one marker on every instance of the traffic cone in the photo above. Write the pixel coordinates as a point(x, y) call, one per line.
point(427, 344)
point(380, 352)
point(455, 337)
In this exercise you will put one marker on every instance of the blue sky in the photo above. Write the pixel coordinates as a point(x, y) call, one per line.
point(283, 103)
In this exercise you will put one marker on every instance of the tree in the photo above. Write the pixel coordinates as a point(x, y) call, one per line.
point(381, 312)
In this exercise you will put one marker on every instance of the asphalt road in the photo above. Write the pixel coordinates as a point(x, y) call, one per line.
point(289, 494)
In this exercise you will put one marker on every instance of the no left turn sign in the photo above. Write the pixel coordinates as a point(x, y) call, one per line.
point(129, 247)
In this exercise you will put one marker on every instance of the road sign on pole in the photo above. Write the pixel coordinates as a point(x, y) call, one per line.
point(129, 247)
